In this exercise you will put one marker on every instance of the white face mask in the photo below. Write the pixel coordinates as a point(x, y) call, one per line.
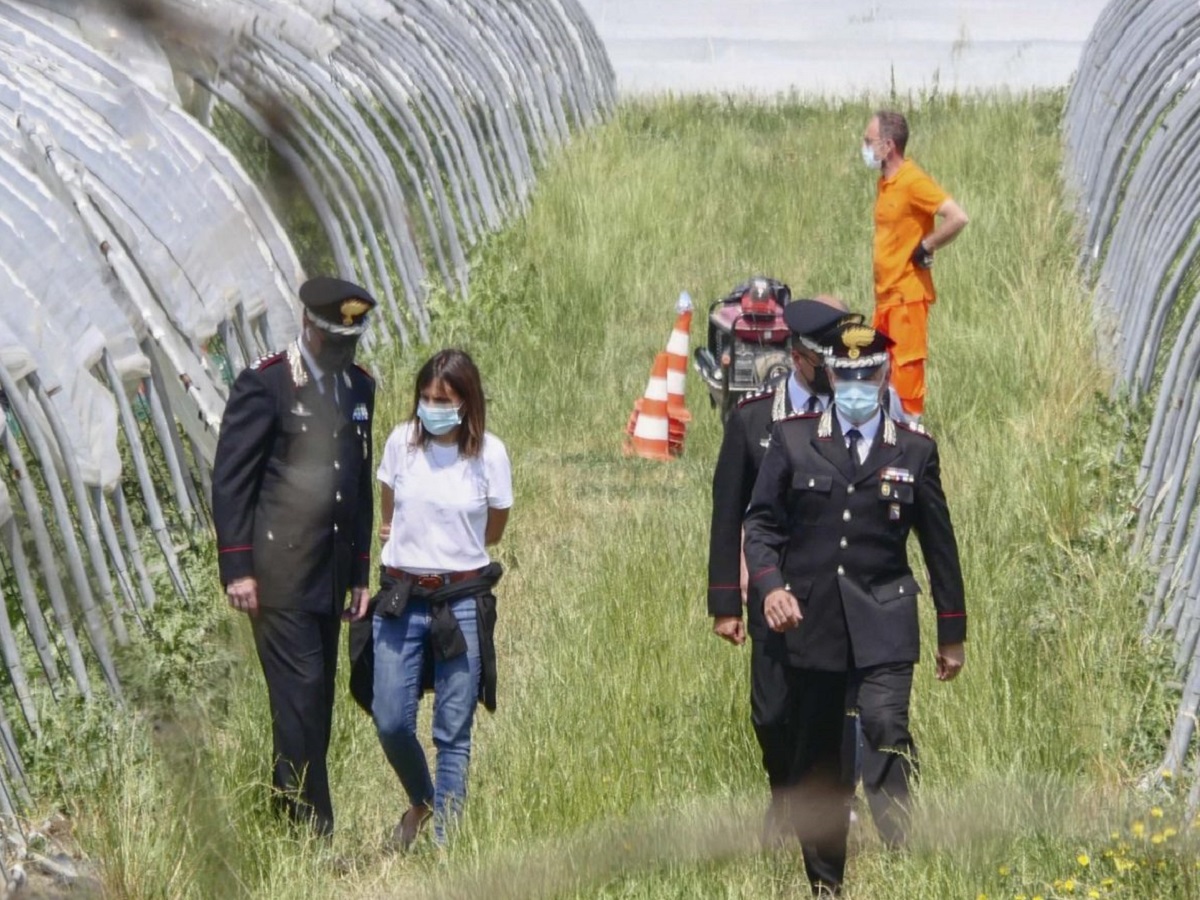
point(869, 158)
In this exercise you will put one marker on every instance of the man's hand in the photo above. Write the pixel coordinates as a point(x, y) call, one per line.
point(730, 628)
point(243, 594)
point(359, 598)
point(385, 532)
point(781, 610)
point(950, 659)
point(922, 257)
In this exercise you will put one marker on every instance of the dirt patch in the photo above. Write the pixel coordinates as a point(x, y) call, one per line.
point(42, 861)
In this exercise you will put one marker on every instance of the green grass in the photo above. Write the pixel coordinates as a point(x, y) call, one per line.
point(620, 762)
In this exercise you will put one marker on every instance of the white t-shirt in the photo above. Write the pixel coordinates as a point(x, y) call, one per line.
point(442, 502)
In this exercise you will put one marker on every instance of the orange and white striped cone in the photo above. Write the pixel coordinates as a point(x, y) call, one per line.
point(637, 408)
point(677, 360)
point(651, 431)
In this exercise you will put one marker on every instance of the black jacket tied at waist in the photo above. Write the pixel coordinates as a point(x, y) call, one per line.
point(445, 640)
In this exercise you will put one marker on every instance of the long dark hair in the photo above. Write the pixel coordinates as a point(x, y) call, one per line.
point(460, 373)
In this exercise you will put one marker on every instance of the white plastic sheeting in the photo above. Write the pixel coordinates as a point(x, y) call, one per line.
point(1132, 120)
point(140, 265)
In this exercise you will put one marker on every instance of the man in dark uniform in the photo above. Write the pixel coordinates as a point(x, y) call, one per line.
point(812, 323)
point(826, 547)
point(292, 503)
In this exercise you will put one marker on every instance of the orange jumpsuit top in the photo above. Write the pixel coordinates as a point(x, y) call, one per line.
point(905, 204)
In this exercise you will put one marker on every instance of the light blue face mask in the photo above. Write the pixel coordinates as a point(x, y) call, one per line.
point(857, 401)
point(869, 158)
point(438, 419)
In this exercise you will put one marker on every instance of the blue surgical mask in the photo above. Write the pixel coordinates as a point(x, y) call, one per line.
point(438, 419)
point(869, 158)
point(857, 401)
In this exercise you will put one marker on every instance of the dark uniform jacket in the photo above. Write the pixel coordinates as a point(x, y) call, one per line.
point(292, 485)
point(835, 535)
point(747, 431)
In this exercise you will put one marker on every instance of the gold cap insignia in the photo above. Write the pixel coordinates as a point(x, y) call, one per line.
point(855, 338)
point(352, 309)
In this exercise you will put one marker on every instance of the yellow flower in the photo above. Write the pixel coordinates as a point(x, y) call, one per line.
point(1069, 885)
point(1003, 870)
point(1108, 854)
point(1157, 812)
point(1106, 883)
point(1116, 836)
point(1138, 828)
point(1123, 865)
point(1093, 894)
point(1169, 832)
point(1083, 859)
point(981, 897)
point(1167, 774)
point(1157, 838)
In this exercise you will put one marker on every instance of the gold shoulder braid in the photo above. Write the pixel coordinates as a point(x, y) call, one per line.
point(296, 362)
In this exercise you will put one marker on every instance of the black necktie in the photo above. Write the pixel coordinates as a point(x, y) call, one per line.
point(853, 436)
point(813, 405)
point(329, 381)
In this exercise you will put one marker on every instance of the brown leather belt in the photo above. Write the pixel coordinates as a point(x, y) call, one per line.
point(432, 581)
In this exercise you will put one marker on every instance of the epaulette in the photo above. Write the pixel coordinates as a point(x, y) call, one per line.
point(800, 415)
point(268, 360)
point(370, 377)
point(756, 395)
point(916, 428)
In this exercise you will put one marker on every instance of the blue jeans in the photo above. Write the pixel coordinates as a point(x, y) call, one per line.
point(399, 656)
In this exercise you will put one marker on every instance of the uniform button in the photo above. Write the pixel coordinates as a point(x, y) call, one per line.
point(304, 428)
point(845, 515)
point(335, 529)
point(338, 497)
point(843, 543)
point(337, 464)
point(902, 590)
point(841, 570)
point(270, 535)
point(812, 482)
point(849, 489)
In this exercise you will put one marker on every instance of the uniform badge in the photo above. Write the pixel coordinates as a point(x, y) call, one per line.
point(360, 413)
point(904, 476)
point(894, 512)
point(885, 490)
point(300, 410)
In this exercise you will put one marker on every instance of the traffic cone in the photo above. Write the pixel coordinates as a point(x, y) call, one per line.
point(677, 361)
point(651, 427)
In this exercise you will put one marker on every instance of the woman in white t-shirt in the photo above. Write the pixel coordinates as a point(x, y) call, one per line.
point(445, 496)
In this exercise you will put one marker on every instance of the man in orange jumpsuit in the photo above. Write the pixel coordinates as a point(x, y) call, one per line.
point(906, 204)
